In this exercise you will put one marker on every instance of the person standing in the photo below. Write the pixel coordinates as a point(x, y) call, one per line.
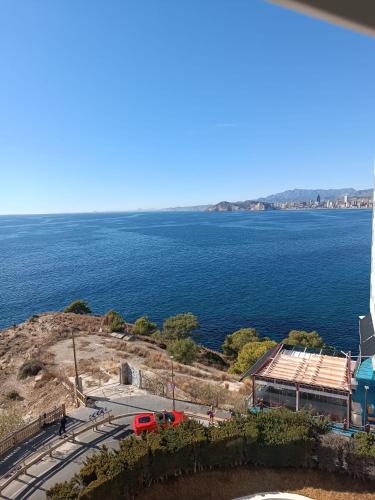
point(211, 414)
point(62, 429)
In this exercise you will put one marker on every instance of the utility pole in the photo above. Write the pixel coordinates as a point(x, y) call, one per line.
point(174, 404)
point(75, 359)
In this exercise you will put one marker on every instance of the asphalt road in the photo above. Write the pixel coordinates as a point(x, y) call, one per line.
point(69, 457)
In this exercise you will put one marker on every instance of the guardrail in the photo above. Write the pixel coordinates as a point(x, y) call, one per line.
point(30, 429)
point(72, 437)
point(49, 449)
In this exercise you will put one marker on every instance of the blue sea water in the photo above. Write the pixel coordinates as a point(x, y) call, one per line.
point(275, 271)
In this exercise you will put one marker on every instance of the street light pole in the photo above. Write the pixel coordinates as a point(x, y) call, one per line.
point(174, 404)
point(365, 409)
point(75, 359)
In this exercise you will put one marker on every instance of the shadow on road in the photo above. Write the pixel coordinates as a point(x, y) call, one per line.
point(93, 445)
point(35, 443)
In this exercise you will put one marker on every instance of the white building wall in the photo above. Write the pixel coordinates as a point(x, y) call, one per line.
point(372, 282)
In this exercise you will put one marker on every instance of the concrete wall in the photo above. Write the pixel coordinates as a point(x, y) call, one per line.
point(372, 283)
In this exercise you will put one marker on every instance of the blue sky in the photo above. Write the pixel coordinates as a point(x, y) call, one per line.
point(122, 104)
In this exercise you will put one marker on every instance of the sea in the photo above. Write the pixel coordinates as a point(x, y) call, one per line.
point(275, 270)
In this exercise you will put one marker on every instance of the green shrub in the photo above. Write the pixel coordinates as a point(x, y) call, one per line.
point(115, 321)
point(30, 368)
point(364, 444)
point(278, 438)
point(284, 426)
point(143, 326)
point(249, 354)
point(234, 342)
point(305, 339)
point(68, 490)
point(14, 395)
point(78, 307)
point(180, 326)
point(183, 350)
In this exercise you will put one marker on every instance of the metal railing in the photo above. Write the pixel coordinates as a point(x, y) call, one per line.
point(103, 418)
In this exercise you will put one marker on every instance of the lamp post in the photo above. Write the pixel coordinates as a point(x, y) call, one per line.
point(75, 359)
point(172, 372)
point(365, 409)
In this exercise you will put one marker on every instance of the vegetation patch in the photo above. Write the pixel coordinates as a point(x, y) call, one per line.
point(115, 321)
point(143, 326)
point(180, 326)
point(305, 339)
point(10, 420)
point(183, 350)
point(278, 439)
point(30, 368)
point(78, 307)
point(14, 395)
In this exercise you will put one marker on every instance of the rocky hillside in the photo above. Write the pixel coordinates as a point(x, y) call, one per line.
point(248, 205)
point(36, 356)
point(311, 194)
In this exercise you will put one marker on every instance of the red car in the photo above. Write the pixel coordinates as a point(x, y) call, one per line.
point(151, 422)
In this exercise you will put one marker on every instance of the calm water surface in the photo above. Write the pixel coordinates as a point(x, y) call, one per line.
point(272, 270)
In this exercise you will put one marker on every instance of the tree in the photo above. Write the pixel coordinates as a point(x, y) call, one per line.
point(180, 326)
point(305, 339)
point(115, 321)
point(183, 350)
point(143, 326)
point(78, 307)
point(234, 342)
point(250, 353)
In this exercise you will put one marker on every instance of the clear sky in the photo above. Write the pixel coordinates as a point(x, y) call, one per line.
point(116, 104)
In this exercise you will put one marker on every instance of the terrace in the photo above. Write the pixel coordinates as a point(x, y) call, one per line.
point(298, 378)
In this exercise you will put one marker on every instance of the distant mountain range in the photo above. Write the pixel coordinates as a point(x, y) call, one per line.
point(264, 203)
point(311, 194)
point(195, 208)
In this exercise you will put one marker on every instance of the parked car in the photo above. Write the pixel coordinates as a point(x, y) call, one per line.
point(151, 422)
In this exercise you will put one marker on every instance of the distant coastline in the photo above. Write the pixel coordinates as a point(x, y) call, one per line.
point(258, 208)
point(293, 199)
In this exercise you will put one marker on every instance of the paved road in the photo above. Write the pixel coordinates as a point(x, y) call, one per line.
point(68, 459)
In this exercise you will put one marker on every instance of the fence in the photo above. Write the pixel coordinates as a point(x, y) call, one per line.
point(30, 429)
point(197, 392)
point(71, 437)
point(79, 397)
point(154, 386)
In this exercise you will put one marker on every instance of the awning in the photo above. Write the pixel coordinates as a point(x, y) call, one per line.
point(358, 15)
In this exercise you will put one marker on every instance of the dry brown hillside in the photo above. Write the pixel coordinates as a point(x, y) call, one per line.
point(46, 339)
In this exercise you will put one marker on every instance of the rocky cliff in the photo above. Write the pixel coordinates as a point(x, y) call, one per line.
point(248, 205)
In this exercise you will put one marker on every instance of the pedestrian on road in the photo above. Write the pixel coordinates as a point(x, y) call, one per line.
point(232, 413)
point(211, 414)
point(62, 429)
point(345, 424)
point(367, 428)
